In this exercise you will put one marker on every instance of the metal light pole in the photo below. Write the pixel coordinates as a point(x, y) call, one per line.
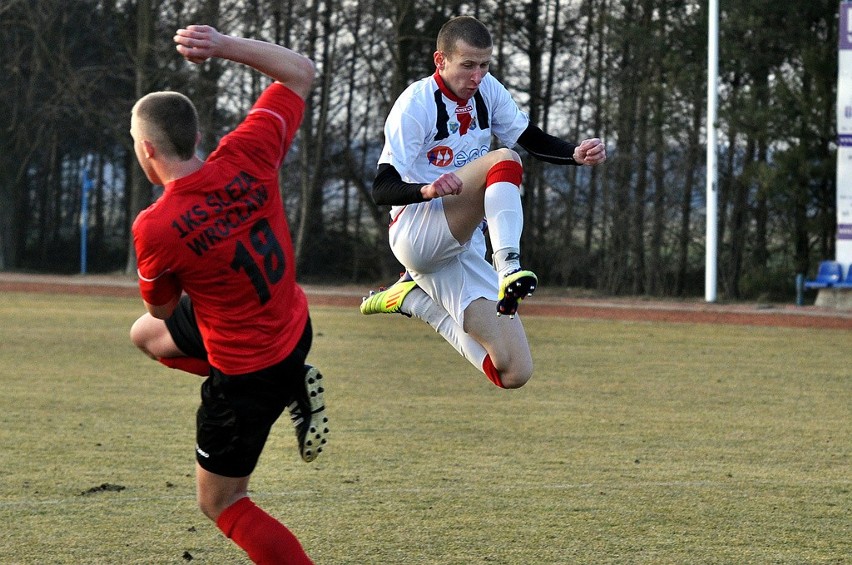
point(710, 263)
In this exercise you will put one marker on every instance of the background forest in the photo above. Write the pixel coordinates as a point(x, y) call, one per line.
point(632, 72)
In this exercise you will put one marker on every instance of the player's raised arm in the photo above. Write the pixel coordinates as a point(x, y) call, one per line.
point(550, 149)
point(197, 43)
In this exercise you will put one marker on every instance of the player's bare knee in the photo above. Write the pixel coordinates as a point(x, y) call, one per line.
point(138, 335)
point(134, 334)
point(210, 510)
point(212, 506)
point(515, 157)
point(512, 380)
point(517, 372)
point(140, 338)
point(505, 154)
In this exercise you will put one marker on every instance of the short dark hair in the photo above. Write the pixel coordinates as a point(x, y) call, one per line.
point(466, 28)
point(172, 119)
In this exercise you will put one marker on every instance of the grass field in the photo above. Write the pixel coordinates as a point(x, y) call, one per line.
point(634, 443)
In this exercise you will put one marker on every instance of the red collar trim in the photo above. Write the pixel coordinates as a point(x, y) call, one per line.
point(447, 92)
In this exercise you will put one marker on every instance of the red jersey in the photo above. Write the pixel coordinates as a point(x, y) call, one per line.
point(221, 235)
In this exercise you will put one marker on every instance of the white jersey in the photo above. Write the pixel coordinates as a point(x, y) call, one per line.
point(430, 131)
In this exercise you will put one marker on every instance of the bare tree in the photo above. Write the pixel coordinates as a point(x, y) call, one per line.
point(140, 189)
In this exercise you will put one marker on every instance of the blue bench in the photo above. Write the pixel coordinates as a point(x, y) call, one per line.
point(847, 282)
point(829, 275)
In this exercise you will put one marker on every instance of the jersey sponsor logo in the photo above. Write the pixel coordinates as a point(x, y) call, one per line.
point(440, 156)
point(467, 109)
point(443, 156)
point(465, 157)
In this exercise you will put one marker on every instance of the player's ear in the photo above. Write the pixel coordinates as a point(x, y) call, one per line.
point(148, 147)
point(439, 59)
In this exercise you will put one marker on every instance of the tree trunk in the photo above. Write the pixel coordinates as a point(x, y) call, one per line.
point(140, 188)
point(598, 20)
point(693, 153)
point(656, 270)
point(615, 277)
point(637, 229)
point(739, 224)
point(313, 153)
point(534, 197)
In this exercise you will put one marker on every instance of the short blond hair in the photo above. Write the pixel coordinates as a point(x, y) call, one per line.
point(171, 119)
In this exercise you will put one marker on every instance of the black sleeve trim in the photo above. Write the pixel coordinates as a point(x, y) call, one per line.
point(547, 148)
point(389, 188)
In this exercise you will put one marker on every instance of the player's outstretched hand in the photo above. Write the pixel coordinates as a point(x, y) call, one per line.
point(590, 152)
point(446, 184)
point(197, 43)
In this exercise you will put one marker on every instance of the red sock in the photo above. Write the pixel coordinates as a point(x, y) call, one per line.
point(491, 371)
point(262, 537)
point(192, 365)
point(505, 171)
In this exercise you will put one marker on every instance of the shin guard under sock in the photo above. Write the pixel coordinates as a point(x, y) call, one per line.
point(505, 214)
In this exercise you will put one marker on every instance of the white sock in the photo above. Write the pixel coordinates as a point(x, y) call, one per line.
point(506, 260)
point(505, 224)
point(418, 304)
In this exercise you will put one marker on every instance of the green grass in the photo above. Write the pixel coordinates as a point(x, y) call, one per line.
point(634, 443)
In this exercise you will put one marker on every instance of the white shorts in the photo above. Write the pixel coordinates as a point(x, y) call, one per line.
point(452, 274)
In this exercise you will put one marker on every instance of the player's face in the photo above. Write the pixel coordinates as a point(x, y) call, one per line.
point(464, 68)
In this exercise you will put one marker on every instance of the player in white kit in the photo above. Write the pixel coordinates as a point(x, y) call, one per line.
point(441, 177)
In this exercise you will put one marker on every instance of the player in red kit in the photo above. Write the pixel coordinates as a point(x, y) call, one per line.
point(217, 276)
